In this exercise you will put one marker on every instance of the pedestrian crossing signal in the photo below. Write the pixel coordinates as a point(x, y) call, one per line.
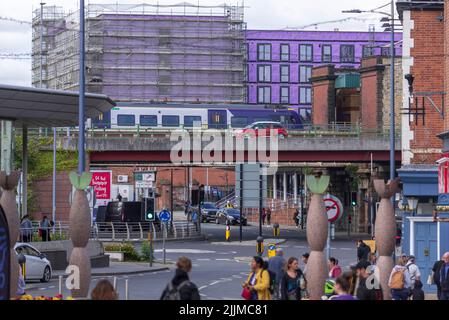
point(150, 216)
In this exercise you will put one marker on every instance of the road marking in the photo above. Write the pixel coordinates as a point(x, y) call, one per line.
point(205, 259)
point(201, 288)
point(184, 251)
point(51, 287)
point(237, 277)
point(203, 295)
point(223, 259)
point(346, 249)
point(215, 282)
point(41, 289)
point(302, 247)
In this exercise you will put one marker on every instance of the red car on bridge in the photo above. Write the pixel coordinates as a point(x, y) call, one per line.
point(262, 129)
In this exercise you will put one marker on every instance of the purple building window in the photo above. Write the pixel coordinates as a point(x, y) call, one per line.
point(347, 53)
point(305, 53)
point(263, 94)
point(285, 73)
point(305, 95)
point(264, 73)
point(305, 73)
point(264, 52)
point(326, 55)
point(367, 51)
point(285, 52)
point(285, 95)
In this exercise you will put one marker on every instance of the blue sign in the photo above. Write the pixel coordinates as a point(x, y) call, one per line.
point(165, 215)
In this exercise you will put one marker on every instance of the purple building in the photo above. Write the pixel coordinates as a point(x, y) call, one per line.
point(280, 62)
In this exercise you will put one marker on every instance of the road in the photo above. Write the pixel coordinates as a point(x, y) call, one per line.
point(218, 268)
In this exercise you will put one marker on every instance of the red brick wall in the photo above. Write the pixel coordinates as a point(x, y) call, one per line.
point(428, 70)
point(446, 64)
point(323, 96)
point(281, 216)
point(371, 84)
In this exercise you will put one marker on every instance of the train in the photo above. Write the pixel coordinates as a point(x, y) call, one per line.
point(149, 115)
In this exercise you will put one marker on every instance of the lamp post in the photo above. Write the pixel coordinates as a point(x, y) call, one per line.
point(392, 84)
point(81, 120)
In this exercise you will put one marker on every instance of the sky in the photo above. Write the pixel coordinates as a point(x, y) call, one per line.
point(15, 37)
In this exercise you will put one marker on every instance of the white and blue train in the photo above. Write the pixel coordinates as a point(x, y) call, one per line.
point(151, 115)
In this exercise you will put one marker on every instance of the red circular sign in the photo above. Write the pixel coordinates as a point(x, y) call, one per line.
point(334, 208)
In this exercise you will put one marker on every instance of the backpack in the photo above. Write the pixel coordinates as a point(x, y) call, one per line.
point(398, 279)
point(172, 292)
point(272, 276)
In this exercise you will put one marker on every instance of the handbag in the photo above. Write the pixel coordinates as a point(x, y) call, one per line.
point(430, 279)
point(246, 294)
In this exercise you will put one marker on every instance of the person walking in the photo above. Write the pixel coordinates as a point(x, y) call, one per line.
point(264, 215)
point(342, 287)
point(290, 284)
point(363, 251)
point(362, 292)
point(258, 282)
point(277, 265)
point(180, 287)
point(436, 275)
point(296, 217)
point(26, 229)
point(413, 269)
point(119, 197)
point(334, 269)
point(305, 259)
point(45, 226)
point(399, 281)
point(444, 277)
point(268, 213)
point(104, 290)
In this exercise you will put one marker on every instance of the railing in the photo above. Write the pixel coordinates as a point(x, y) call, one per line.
point(116, 231)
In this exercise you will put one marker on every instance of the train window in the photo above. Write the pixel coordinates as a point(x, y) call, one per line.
point(260, 119)
point(148, 121)
point(170, 121)
point(239, 122)
point(126, 120)
point(191, 121)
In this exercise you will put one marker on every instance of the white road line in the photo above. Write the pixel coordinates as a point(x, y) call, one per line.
point(347, 249)
point(203, 295)
point(201, 288)
point(41, 289)
point(51, 287)
point(223, 259)
point(215, 282)
point(237, 277)
point(205, 259)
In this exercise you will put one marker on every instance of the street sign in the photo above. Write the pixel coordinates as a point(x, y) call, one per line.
point(164, 215)
point(247, 184)
point(334, 207)
point(144, 180)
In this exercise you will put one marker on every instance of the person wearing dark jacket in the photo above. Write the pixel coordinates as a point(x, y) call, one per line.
point(291, 281)
point(363, 251)
point(181, 285)
point(417, 292)
point(436, 276)
point(444, 277)
point(363, 293)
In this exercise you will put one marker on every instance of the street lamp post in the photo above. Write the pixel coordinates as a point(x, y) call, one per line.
point(81, 120)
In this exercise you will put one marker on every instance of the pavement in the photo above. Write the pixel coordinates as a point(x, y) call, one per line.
point(251, 243)
point(123, 268)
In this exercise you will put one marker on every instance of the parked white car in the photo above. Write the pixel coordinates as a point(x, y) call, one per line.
point(37, 266)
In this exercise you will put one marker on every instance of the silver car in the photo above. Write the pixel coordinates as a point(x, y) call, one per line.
point(37, 266)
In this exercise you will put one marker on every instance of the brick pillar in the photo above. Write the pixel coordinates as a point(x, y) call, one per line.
point(371, 73)
point(323, 101)
point(446, 65)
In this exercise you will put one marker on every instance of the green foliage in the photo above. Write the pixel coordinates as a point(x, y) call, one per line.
point(130, 253)
point(147, 251)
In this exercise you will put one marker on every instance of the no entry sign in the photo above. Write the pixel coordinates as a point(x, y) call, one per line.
point(334, 207)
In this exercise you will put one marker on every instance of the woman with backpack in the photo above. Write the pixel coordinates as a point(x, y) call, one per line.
point(399, 281)
point(291, 281)
point(257, 286)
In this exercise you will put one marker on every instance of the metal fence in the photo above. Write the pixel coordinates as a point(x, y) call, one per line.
point(116, 231)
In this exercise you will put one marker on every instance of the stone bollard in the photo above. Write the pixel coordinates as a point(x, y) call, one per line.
point(9, 206)
point(385, 231)
point(317, 229)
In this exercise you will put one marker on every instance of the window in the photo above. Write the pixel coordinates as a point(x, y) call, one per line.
point(264, 95)
point(126, 120)
point(263, 73)
point(368, 51)
point(305, 73)
point(285, 52)
point(346, 53)
point(306, 52)
point(239, 122)
point(148, 121)
point(305, 95)
point(285, 73)
point(170, 121)
point(191, 121)
point(285, 95)
point(264, 52)
point(327, 53)
point(385, 51)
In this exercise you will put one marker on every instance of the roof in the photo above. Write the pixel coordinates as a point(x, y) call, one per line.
point(37, 107)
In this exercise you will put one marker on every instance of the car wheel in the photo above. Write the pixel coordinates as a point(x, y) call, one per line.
point(46, 277)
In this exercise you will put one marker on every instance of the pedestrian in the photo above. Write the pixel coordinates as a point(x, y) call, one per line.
point(26, 229)
point(119, 197)
point(290, 284)
point(362, 292)
point(418, 292)
point(305, 259)
point(258, 282)
point(264, 215)
point(399, 281)
point(268, 212)
point(180, 287)
point(186, 208)
point(444, 278)
point(21, 283)
point(436, 275)
point(277, 265)
point(296, 217)
point(342, 287)
point(45, 229)
point(104, 290)
point(363, 251)
point(413, 269)
point(334, 269)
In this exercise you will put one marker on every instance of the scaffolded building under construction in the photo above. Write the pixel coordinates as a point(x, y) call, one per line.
point(167, 53)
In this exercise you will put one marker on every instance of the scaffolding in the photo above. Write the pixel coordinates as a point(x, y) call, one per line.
point(177, 53)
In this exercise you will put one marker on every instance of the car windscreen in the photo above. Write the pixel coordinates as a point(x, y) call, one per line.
point(209, 206)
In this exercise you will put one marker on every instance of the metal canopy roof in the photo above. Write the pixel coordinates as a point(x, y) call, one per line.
point(38, 107)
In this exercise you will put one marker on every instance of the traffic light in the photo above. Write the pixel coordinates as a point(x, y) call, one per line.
point(150, 216)
point(148, 209)
point(353, 199)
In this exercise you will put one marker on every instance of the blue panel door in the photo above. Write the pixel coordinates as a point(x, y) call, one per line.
point(426, 250)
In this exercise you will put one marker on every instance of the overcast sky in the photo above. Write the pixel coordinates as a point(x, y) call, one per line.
point(259, 14)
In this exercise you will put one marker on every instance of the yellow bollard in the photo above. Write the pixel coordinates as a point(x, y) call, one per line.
point(228, 232)
point(259, 246)
point(276, 230)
